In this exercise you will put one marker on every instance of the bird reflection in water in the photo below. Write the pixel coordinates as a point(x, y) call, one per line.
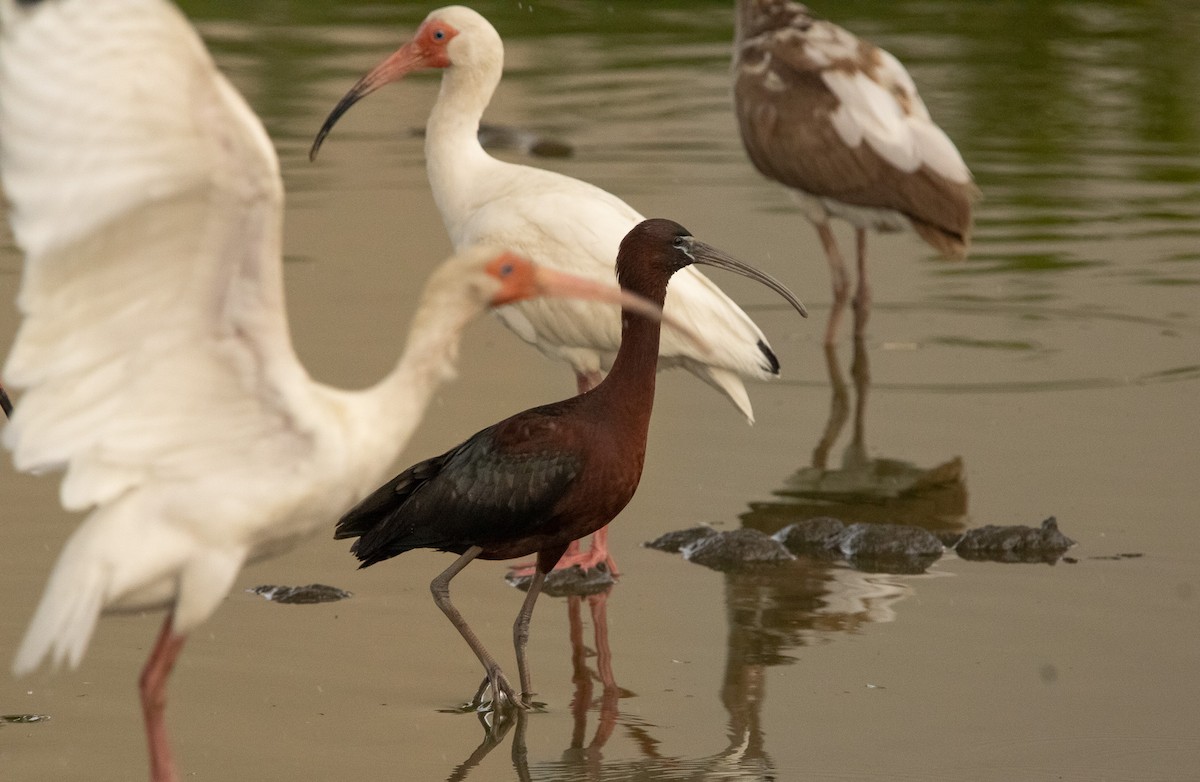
point(863, 489)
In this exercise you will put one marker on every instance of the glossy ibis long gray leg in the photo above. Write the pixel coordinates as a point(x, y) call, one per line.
point(545, 563)
point(5, 402)
point(153, 685)
point(440, 587)
point(839, 277)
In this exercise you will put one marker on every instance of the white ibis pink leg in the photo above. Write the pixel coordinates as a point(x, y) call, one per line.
point(153, 684)
point(440, 587)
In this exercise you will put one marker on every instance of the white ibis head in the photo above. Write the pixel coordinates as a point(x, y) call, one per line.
point(450, 36)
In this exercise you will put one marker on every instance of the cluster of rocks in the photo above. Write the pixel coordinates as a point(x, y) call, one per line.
point(886, 548)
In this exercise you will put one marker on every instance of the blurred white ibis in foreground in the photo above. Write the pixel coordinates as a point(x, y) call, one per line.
point(154, 353)
point(541, 479)
point(839, 121)
point(553, 219)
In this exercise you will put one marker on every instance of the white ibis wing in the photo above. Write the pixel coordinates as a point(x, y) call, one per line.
point(146, 197)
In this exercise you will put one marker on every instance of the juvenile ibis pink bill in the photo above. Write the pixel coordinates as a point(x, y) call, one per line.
point(534, 482)
point(154, 353)
point(839, 122)
point(556, 221)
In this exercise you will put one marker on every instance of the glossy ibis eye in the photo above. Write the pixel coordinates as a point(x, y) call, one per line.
point(679, 243)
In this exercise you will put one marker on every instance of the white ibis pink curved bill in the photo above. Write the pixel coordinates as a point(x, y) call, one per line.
point(154, 354)
point(839, 122)
point(553, 219)
point(540, 479)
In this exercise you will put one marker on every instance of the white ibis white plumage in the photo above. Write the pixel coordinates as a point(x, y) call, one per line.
point(154, 354)
point(555, 220)
point(839, 122)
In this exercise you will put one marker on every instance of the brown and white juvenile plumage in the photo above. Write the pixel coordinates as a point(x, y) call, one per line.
point(838, 121)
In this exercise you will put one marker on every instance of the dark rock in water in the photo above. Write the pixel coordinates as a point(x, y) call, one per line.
point(301, 595)
point(1015, 543)
point(569, 581)
point(889, 548)
point(22, 719)
point(737, 549)
point(814, 537)
point(676, 541)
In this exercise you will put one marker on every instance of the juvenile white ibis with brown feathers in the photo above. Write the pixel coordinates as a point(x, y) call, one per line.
point(154, 355)
point(839, 122)
point(556, 221)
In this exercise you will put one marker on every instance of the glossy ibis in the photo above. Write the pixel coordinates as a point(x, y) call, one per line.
point(534, 482)
point(839, 122)
point(154, 354)
point(555, 220)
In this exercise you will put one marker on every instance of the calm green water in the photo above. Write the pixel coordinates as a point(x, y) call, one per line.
point(1052, 373)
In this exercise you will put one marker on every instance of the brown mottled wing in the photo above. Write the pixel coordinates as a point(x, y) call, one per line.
point(790, 138)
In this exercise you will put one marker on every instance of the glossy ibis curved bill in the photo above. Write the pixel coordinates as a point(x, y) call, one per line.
point(154, 354)
point(553, 219)
point(839, 122)
point(534, 482)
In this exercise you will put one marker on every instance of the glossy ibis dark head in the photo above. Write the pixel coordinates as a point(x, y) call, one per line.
point(657, 248)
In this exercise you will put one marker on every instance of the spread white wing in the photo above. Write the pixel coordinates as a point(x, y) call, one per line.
point(146, 197)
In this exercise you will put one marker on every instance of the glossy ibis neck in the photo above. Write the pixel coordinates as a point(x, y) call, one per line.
point(629, 386)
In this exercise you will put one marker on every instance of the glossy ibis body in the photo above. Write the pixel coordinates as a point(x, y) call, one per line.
point(556, 221)
point(545, 477)
point(839, 121)
point(154, 353)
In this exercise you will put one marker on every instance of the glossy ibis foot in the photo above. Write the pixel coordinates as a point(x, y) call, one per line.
point(503, 697)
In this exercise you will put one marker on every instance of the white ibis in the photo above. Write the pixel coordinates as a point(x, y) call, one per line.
point(555, 220)
point(154, 354)
point(539, 480)
point(839, 122)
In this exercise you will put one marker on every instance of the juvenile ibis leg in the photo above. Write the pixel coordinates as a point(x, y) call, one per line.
point(862, 297)
point(440, 587)
point(839, 277)
point(153, 684)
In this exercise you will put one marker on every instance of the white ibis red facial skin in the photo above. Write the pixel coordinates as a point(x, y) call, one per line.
point(555, 220)
point(839, 122)
point(154, 355)
point(545, 477)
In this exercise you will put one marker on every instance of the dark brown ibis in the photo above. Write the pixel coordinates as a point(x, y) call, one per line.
point(534, 482)
point(838, 121)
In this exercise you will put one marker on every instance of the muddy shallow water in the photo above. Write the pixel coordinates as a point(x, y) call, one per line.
point(1055, 371)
